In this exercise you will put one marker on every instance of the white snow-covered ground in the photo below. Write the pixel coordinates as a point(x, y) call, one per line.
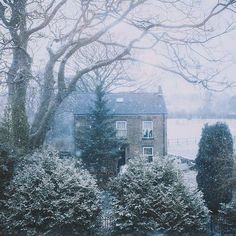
point(183, 135)
point(189, 175)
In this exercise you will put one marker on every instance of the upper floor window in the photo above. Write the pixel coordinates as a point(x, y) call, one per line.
point(121, 127)
point(147, 129)
point(148, 153)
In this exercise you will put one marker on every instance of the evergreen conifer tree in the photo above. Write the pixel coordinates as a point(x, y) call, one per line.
point(152, 198)
point(214, 163)
point(98, 143)
point(6, 128)
point(227, 217)
point(49, 195)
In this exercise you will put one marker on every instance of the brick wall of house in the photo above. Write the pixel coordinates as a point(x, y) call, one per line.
point(135, 135)
point(135, 139)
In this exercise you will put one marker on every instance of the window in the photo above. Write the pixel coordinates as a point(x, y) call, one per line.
point(120, 100)
point(77, 124)
point(147, 129)
point(148, 153)
point(121, 127)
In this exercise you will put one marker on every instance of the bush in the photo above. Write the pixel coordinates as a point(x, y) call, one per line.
point(6, 167)
point(214, 163)
point(227, 216)
point(152, 197)
point(50, 195)
point(6, 127)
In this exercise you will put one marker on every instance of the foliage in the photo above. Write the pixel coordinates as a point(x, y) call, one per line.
point(50, 195)
point(6, 167)
point(228, 218)
point(215, 164)
point(97, 140)
point(6, 127)
point(152, 197)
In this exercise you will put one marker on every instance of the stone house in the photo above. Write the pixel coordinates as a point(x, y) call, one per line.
point(139, 118)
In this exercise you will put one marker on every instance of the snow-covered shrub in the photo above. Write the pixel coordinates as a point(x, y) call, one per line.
point(152, 197)
point(6, 127)
point(7, 160)
point(227, 218)
point(50, 195)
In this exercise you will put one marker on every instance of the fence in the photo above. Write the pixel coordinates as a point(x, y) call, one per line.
point(191, 140)
point(187, 147)
point(107, 222)
point(219, 226)
point(105, 225)
point(216, 227)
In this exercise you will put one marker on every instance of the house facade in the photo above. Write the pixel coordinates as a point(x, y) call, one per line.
point(139, 118)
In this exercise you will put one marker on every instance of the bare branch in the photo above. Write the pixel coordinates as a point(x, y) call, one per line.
point(48, 18)
point(216, 10)
point(97, 65)
point(2, 15)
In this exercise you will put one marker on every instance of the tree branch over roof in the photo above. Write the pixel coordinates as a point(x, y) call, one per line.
point(48, 18)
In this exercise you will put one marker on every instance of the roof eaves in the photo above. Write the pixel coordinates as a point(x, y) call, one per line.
point(125, 114)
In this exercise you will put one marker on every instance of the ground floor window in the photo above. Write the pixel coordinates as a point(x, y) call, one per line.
point(148, 153)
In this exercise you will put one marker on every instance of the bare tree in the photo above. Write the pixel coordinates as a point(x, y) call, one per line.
point(24, 23)
point(112, 76)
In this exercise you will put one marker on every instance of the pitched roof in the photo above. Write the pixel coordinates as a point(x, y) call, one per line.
point(118, 103)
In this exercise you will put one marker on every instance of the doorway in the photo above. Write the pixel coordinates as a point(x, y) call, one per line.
point(122, 158)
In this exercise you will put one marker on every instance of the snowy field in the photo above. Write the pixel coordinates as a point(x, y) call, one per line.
point(183, 135)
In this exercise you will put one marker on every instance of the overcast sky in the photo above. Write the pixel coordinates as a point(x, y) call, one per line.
point(148, 78)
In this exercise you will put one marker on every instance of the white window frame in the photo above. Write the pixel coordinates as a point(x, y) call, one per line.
point(148, 156)
point(148, 130)
point(121, 132)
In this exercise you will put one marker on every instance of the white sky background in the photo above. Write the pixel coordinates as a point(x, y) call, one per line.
point(149, 77)
point(179, 93)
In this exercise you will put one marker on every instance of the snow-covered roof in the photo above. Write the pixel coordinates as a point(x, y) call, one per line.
point(118, 103)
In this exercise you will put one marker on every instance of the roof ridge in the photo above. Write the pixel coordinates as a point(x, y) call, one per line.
point(120, 93)
point(132, 103)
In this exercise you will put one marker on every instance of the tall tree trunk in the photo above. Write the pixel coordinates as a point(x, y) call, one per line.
point(19, 72)
point(38, 137)
point(18, 78)
point(47, 95)
point(46, 114)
